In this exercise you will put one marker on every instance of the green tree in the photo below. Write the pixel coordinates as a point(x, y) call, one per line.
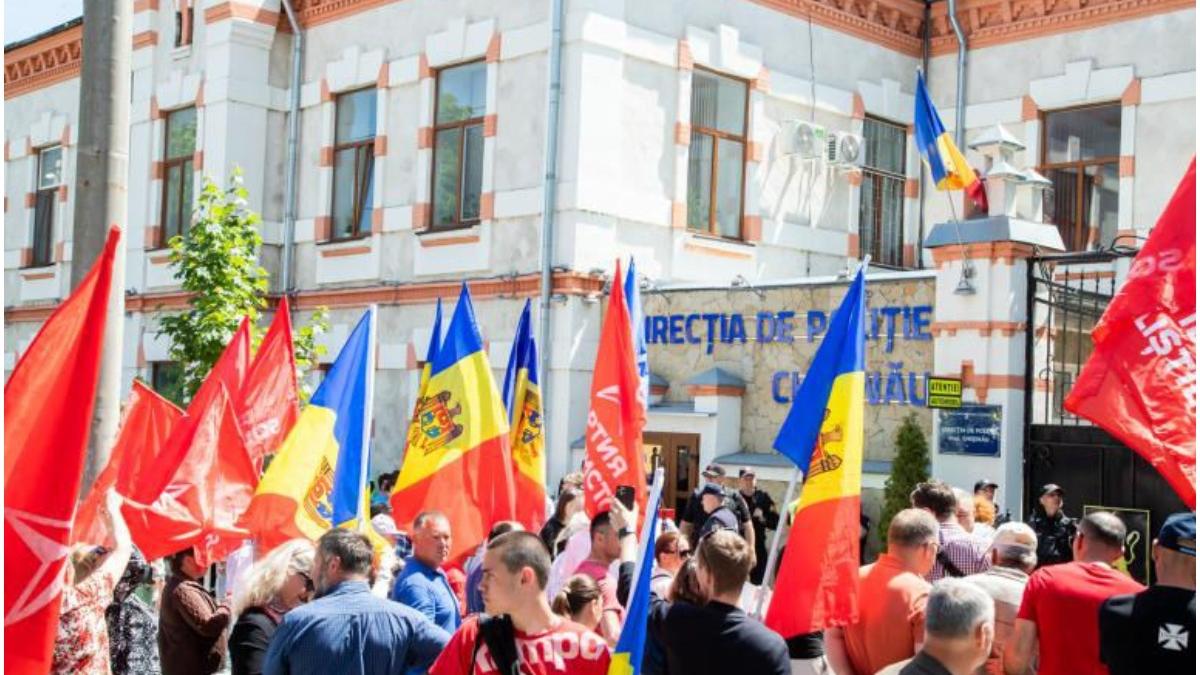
point(910, 467)
point(216, 263)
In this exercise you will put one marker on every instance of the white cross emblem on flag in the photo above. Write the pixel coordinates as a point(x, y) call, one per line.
point(1172, 636)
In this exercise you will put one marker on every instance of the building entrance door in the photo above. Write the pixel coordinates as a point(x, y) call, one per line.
point(679, 455)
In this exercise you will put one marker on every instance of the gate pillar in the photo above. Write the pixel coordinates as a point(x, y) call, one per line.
point(980, 323)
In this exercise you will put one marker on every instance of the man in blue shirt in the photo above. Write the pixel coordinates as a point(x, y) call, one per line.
point(423, 585)
point(347, 630)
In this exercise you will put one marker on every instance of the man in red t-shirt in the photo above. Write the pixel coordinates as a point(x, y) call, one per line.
point(1059, 619)
point(515, 569)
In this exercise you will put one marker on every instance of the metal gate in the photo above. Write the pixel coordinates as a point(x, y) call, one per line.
point(1066, 296)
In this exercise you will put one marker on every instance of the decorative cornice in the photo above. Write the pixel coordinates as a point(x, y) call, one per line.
point(895, 24)
point(316, 12)
point(50, 60)
point(992, 22)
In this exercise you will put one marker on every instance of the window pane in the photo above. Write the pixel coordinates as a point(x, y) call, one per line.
point(718, 103)
point(185, 179)
point(355, 116)
point(729, 188)
point(1083, 134)
point(699, 181)
point(365, 177)
point(167, 379)
point(868, 218)
point(885, 145)
point(1062, 206)
point(50, 167)
point(1100, 203)
point(43, 227)
point(342, 224)
point(446, 166)
point(181, 133)
point(472, 184)
point(462, 91)
point(892, 223)
point(172, 197)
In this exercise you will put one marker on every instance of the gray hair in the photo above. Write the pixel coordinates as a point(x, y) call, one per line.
point(1105, 528)
point(966, 501)
point(266, 577)
point(428, 516)
point(956, 607)
point(911, 528)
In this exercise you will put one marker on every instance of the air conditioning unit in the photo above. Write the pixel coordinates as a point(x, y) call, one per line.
point(843, 150)
point(804, 140)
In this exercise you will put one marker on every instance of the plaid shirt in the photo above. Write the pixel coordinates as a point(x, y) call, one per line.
point(969, 554)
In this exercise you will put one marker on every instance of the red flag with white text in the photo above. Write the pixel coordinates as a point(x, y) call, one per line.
point(48, 403)
point(149, 419)
point(269, 399)
point(617, 413)
point(1140, 382)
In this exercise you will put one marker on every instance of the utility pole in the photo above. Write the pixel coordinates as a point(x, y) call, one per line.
point(101, 199)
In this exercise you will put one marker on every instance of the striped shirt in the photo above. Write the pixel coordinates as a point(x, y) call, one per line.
point(969, 554)
point(351, 632)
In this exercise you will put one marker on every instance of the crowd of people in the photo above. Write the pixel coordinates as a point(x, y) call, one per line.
point(959, 590)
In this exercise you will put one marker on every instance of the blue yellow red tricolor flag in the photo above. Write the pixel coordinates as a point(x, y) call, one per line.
point(947, 164)
point(631, 645)
point(317, 478)
point(458, 460)
point(823, 434)
point(523, 400)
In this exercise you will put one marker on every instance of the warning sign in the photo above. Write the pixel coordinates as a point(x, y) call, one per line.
point(942, 392)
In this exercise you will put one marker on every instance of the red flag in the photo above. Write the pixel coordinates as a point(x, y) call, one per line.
point(48, 405)
point(617, 414)
point(230, 372)
point(211, 487)
point(270, 402)
point(148, 421)
point(1140, 382)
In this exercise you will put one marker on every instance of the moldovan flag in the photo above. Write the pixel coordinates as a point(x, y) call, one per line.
point(618, 413)
point(823, 434)
point(269, 398)
point(296, 495)
point(48, 403)
point(523, 399)
point(458, 460)
point(1139, 384)
point(947, 164)
point(149, 419)
point(631, 645)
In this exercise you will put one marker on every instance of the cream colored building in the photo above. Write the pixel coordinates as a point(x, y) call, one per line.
point(422, 133)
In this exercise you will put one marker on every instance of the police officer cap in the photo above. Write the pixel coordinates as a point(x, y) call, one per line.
point(1051, 489)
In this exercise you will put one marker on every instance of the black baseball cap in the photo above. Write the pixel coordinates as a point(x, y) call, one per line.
point(985, 483)
point(1051, 488)
point(1178, 533)
point(712, 489)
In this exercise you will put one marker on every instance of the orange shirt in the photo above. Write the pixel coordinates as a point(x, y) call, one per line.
point(891, 616)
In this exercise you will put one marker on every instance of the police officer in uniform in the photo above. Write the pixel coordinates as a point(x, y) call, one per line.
point(1055, 530)
point(764, 516)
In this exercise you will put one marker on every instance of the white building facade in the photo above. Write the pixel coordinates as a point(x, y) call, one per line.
point(686, 139)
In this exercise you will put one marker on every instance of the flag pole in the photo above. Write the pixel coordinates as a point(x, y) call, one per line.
point(793, 484)
point(369, 413)
point(647, 538)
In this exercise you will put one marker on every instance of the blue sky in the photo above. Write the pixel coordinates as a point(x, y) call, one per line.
point(23, 18)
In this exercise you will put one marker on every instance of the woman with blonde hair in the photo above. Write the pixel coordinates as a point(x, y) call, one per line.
point(985, 518)
point(278, 583)
point(580, 601)
point(81, 646)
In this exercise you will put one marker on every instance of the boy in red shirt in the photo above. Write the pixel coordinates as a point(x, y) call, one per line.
point(515, 570)
point(1059, 616)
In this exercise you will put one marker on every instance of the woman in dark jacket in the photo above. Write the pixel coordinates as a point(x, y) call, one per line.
point(569, 502)
point(276, 584)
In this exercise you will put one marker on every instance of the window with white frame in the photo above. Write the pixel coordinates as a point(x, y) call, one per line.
point(881, 203)
point(717, 154)
point(353, 164)
point(49, 179)
point(461, 104)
